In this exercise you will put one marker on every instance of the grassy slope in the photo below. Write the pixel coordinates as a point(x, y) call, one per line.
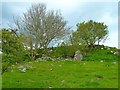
point(61, 74)
point(0, 82)
point(0, 71)
point(102, 54)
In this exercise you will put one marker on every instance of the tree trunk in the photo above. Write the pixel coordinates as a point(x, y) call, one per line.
point(32, 57)
point(98, 42)
point(36, 44)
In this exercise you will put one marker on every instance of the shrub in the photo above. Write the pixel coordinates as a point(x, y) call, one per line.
point(12, 48)
point(64, 51)
point(5, 66)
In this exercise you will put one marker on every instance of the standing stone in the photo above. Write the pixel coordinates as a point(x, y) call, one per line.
point(78, 56)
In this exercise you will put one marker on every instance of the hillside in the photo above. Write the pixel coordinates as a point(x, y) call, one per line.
point(62, 74)
point(98, 69)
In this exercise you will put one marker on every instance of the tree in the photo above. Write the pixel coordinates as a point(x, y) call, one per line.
point(12, 48)
point(12, 44)
point(42, 26)
point(89, 33)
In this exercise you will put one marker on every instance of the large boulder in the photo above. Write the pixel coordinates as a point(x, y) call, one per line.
point(78, 56)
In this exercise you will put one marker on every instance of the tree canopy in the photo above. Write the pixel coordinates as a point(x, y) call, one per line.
point(89, 33)
point(12, 46)
point(42, 26)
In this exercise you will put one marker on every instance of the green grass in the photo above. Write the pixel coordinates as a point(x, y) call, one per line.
point(0, 82)
point(63, 74)
point(0, 71)
point(102, 54)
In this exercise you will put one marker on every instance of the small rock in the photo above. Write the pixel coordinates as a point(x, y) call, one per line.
point(111, 51)
point(28, 66)
point(78, 56)
point(116, 53)
point(20, 67)
point(23, 70)
point(49, 87)
point(101, 61)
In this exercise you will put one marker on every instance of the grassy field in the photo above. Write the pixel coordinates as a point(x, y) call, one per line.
point(63, 74)
point(0, 82)
point(0, 71)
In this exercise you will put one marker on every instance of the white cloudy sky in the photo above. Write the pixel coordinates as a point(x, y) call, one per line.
point(74, 11)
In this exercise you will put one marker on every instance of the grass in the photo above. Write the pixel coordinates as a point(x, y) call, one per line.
point(0, 71)
point(63, 74)
point(0, 82)
point(102, 54)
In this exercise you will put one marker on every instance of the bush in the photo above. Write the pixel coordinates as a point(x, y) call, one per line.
point(5, 66)
point(12, 48)
point(40, 52)
point(64, 51)
point(61, 51)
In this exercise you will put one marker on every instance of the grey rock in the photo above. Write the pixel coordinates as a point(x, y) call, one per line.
point(78, 56)
point(20, 67)
point(117, 53)
point(28, 66)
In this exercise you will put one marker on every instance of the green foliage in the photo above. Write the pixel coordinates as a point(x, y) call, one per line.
point(89, 33)
point(12, 47)
point(99, 53)
point(64, 51)
point(5, 66)
point(40, 52)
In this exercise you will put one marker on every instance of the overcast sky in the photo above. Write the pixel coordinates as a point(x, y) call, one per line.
point(74, 11)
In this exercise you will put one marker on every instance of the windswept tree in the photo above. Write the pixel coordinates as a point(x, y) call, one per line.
point(42, 26)
point(89, 33)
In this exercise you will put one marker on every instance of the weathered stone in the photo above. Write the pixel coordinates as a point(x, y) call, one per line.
point(78, 56)
point(20, 67)
point(117, 53)
point(43, 59)
point(28, 66)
